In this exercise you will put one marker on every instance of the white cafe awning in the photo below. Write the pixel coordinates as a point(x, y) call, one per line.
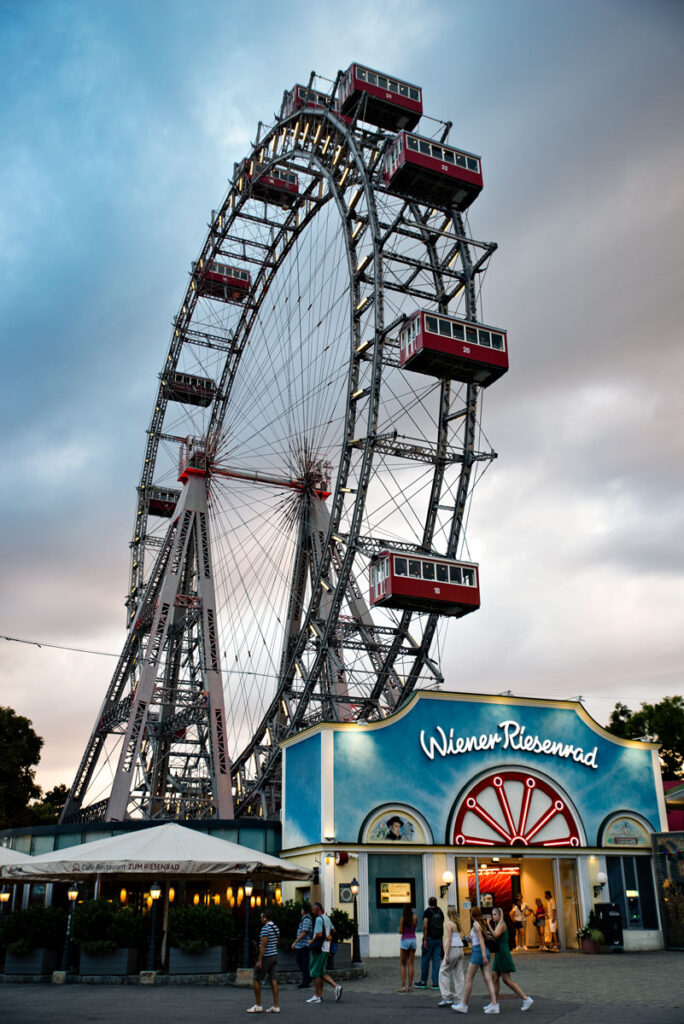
point(169, 849)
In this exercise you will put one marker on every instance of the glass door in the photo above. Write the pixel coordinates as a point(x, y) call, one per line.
point(567, 901)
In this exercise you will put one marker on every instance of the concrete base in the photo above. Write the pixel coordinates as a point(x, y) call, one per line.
point(148, 977)
point(59, 977)
point(243, 977)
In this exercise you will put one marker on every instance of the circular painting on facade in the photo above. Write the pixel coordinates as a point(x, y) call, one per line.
point(394, 826)
point(514, 808)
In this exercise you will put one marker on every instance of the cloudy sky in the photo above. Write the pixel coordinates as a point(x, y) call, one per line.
point(120, 124)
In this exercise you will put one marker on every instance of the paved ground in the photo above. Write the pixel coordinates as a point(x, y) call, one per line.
point(635, 988)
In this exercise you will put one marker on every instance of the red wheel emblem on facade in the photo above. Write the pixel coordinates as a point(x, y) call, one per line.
point(514, 809)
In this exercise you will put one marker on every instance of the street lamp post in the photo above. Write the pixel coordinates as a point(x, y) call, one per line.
point(356, 951)
point(155, 893)
point(249, 888)
point(72, 894)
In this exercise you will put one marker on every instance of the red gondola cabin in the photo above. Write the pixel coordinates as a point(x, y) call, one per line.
point(276, 186)
point(423, 583)
point(432, 172)
point(443, 346)
point(380, 100)
point(229, 284)
point(300, 96)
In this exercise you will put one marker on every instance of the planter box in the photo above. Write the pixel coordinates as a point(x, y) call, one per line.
point(212, 961)
point(119, 961)
point(342, 957)
point(38, 961)
point(589, 946)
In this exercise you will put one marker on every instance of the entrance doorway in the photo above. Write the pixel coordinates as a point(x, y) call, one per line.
point(496, 881)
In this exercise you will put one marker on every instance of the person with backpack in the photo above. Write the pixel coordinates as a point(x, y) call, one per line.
point(431, 950)
point(323, 935)
point(266, 963)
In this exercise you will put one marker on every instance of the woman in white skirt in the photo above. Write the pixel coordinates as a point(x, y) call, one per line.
point(451, 978)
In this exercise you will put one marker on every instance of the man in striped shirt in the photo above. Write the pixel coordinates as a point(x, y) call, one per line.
point(266, 962)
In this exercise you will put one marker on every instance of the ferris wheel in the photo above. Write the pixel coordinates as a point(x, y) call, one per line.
point(321, 388)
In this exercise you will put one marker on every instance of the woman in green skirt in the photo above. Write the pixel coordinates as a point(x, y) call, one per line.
point(503, 965)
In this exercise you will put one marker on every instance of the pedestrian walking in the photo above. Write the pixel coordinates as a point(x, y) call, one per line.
point(266, 964)
point(480, 960)
point(301, 945)
point(518, 914)
point(451, 976)
point(320, 947)
point(407, 947)
point(431, 948)
point(540, 922)
point(503, 965)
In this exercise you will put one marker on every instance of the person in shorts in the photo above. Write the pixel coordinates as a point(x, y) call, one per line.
point(551, 922)
point(519, 911)
point(266, 964)
point(320, 947)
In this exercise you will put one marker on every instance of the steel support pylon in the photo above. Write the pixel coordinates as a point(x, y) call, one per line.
point(163, 719)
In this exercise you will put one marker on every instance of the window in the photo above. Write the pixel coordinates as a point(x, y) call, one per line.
point(473, 165)
point(414, 568)
point(431, 324)
point(460, 160)
point(403, 90)
point(459, 332)
point(428, 570)
point(361, 73)
point(393, 87)
point(424, 147)
point(469, 577)
point(497, 341)
point(454, 574)
point(401, 566)
point(485, 339)
point(442, 573)
point(448, 156)
point(438, 152)
point(471, 335)
point(412, 142)
point(415, 95)
point(445, 328)
point(372, 79)
point(382, 82)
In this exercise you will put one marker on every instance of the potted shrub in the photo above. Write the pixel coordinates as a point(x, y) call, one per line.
point(344, 929)
point(109, 937)
point(33, 939)
point(198, 939)
point(590, 937)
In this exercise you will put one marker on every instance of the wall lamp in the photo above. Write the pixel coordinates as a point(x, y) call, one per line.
point(447, 879)
point(601, 880)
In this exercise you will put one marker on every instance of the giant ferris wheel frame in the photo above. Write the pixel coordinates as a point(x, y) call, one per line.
point(379, 458)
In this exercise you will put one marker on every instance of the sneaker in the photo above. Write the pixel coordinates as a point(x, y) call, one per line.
point(488, 1006)
point(435, 988)
point(420, 984)
point(444, 1002)
point(255, 1009)
point(338, 993)
point(523, 947)
point(493, 1008)
point(273, 1009)
point(314, 999)
point(527, 1003)
point(459, 1007)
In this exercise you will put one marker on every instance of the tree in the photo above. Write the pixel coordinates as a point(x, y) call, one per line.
point(47, 810)
point(661, 723)
point(20, 748)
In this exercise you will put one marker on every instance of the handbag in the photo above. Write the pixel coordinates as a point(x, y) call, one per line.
point(492, 944)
